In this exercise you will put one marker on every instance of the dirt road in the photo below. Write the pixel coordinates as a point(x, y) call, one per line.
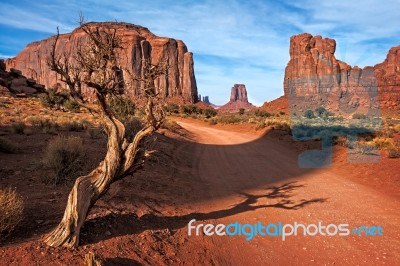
point(250, 178)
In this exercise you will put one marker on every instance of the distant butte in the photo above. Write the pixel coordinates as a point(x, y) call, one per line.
point(238, 100)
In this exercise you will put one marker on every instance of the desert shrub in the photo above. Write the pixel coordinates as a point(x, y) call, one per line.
point(132, 127)
point(230, 119)
point(382, 143)
point(171, 125)
point(18, 127)
point(309, 114)
point(6, 146)
point(122, 107)
point(340, 140)
point(172, 108)
point(359, 116)
point(364, 148)
point(320, 111)
point(262, 113)
point(241, 111)
point(46, 125)
point(11, 210)
point(260, 125)
point(213, 121)
point(190, 109)
point(95, 133)
point(71, 105)
point(64, 156)
point(282, 126)
point(282, 113)
point(53, 99)
point(394, 151)
point(209, 113)
point(75, 126)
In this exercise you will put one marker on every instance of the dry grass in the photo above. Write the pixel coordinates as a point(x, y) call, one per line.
point(11, 210)
point(65, 157)
point(382, 142)
point(171, 125)
point(394, 151)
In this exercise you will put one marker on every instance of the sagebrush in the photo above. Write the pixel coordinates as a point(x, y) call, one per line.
point(65, 157)
point(11, 210)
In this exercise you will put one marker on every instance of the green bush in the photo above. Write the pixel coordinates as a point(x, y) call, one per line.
point(262, 113)
point(172, 108)
point(359, 116)
point(190, 109)
point(309, 114)
point(208, 113)
point(11, 211)
point(71, 105)
point(65, 157)
point(122, 107)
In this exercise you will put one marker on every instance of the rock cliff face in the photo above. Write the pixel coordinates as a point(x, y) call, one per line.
point(314, 76)
point(238, 100)
point(138, 42)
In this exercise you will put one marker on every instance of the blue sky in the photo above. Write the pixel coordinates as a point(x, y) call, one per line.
point(232, 41)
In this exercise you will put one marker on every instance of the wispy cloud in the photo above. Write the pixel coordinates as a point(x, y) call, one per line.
point(233, 41)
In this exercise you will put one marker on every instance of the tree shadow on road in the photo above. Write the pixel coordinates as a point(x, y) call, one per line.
point(126, 224)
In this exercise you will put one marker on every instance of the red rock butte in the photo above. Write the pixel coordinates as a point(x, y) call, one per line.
point(313, 74)
point(238, 100)
point(138, 42)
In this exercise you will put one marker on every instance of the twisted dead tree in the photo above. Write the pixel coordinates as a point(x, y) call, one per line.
point(95, 66)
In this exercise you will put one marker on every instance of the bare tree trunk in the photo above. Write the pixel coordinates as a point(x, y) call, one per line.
point(87, 189)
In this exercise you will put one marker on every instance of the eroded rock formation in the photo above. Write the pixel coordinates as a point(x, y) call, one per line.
point(138, 42)
point(315, 77)
point(238, 100)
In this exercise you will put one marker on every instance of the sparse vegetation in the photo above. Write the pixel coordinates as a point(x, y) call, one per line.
point(95, 133)
point(171, 125)
point(64, 156)
point(58, 100)
point(11, 210)
point(6, 146)
point(359, 116)
point(75, 126)
point(132, 127)
point(309, 114)
point(122, 106)
point(46, 125)
point(241, 111)
point(18, 127)
point(171, 108)
point(394, 151)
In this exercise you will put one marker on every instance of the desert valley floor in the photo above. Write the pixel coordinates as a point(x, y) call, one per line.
point(214, 174)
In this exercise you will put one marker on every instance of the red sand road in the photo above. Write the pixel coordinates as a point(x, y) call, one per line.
point(251, 180)
point(225, 174)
